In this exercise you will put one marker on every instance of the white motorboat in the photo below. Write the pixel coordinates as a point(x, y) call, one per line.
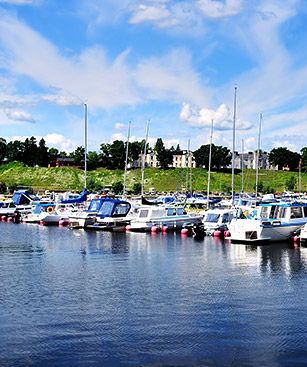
point(303, 234)
point(275, 222)
point(114, 215)
point(217, 219)
point(81, 219)
point(172, 217)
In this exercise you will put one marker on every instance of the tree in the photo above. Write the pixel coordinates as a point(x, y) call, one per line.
point(30, 153)
point(117, 187)
point(118, 154)
point(283, 157)
point(290, 183)
point(3, 188)
point(304, 157)
point(93, 160)
point(135, 149)
point(164, 156)
point(3, 149)
point(220, 156)
point(42, 154)
point(15, 151)
point(78, 156)
point(53, 154)
point(137, 188)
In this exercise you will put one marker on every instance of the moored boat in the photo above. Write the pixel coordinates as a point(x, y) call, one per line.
point(172, 217)
point(275, 222)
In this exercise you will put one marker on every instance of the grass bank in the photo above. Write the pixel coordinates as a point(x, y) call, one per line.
point(69, 178)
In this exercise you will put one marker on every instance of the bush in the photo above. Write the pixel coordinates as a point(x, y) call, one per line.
point(117, 187)
point(137, 188)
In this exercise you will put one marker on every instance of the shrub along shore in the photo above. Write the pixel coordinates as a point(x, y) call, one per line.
point(16, 175)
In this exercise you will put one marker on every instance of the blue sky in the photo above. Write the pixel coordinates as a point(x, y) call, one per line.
point(175, 63)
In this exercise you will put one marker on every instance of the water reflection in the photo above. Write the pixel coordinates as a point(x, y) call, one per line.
point(122, 299)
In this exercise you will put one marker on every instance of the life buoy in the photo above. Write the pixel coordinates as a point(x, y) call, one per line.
point(50, 209)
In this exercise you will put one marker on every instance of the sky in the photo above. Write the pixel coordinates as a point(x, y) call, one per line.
point(174, 64)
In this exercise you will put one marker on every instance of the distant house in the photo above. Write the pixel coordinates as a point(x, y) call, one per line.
point(183, 159)
point(249, 160)
point(64, 162)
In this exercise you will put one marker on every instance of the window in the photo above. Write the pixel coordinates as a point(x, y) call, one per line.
point(143, 213)
point(296, 212)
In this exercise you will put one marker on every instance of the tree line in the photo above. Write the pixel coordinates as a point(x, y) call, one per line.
point(113, 155)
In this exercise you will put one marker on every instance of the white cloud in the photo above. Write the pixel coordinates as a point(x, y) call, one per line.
point(203, 117)
point(158, 13)
point(60, 142)
point(18, 115)
point(218, 9)
point(63, 100)
point(53, 140)
point(171, 78)
point(20, 2)
point(120, 126)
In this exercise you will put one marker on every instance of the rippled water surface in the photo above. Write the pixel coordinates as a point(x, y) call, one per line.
point(77, 298)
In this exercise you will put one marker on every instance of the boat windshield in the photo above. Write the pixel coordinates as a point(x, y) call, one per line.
point(106, 209)
point(212, 218)
point(94, 206)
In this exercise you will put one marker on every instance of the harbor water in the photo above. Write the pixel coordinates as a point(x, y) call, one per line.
point(81, 298)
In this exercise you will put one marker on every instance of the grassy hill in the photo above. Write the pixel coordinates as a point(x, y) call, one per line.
point(68, 178)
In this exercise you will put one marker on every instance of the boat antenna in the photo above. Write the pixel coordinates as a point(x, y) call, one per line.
point(143, 158)
point(126, 159)
point(85, 144)
point(233, 145)
point(209, 165)
point(257, 155)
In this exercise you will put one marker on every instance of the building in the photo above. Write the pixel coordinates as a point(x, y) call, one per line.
point(249, 160)
point(183, 159)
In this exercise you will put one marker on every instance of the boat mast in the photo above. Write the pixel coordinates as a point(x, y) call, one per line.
point(233, 145)
point(209, 165)
point(143, 159)
point(188, 157)
point(257, 155)
point(85, 144)
point(126, 159)
point(242, 167)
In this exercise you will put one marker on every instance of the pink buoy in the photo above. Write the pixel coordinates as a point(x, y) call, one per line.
point(3, 218)
point(154, 229)
point(295, 239)
point(128, 227)
point(41, 222)
point(62, 222)
point(184, 231)
point(217, 233)
point(227, 233)
point(10, 219)
point(164, 228)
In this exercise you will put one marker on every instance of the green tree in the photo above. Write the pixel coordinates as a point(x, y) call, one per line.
point(304, 158)
point(93, 160)
point(30, 155)
point(42, 154)
point(3, 149)
point(53, 154)
point(78, 156)
point(137, 188)
point(3, 188)
point(164, 156)
point(290, 183)
point(220, 156)
point(117, 187)
point(15, 151)
point(283, 157)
